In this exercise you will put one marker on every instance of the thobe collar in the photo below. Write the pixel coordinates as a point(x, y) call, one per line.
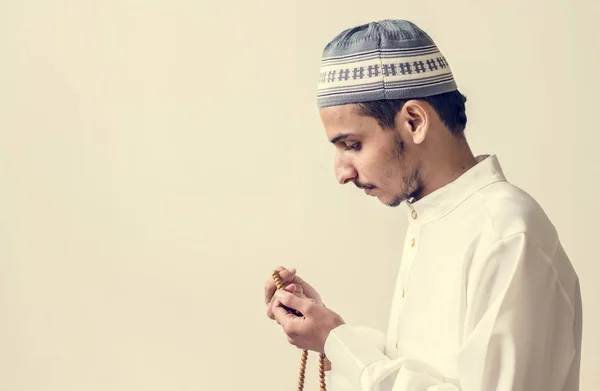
point(443, 200)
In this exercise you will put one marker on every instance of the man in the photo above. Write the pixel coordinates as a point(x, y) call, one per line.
point(486, 298)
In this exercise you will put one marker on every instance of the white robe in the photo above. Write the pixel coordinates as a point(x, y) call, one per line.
point(486, 299)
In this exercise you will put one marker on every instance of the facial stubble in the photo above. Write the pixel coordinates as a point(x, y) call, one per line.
point(410, 175)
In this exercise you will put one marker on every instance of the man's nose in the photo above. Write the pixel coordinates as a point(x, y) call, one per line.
point(344, 172)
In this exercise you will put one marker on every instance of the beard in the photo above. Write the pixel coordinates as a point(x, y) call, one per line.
point(410, 174)
point(412, 185)
point(400, 168)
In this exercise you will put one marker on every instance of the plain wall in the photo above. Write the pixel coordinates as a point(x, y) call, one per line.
point(159, 159)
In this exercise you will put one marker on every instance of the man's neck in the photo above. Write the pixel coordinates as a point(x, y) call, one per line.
point(446, 167)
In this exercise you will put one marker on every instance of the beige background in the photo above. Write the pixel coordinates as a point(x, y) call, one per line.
point(155, 165)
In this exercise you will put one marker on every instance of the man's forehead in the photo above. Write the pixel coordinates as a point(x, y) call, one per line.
point(346, 116)
point(340, 122)
point(333, 114)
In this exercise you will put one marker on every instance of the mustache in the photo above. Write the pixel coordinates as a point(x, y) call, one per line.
point(363, 186)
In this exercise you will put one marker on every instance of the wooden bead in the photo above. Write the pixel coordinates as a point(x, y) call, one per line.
point(324, 363)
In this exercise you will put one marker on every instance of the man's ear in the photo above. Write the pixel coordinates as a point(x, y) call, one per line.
point(414, 120)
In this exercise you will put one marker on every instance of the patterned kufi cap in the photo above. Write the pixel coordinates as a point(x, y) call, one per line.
point(388, 59)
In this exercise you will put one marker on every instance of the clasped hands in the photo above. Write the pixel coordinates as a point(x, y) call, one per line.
point(310, 330)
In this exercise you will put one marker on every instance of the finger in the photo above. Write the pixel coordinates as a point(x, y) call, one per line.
point(270, 286)
point(272, 304)
point(297, 289)
point(292, 288)
point(286, 275)
point(272, 307)
point(269, 290)
point(281, 315)
point(270, 312)
point(292, 301)
point(276, 305)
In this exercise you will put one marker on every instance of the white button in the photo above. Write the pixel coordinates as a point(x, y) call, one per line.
point(414, 214)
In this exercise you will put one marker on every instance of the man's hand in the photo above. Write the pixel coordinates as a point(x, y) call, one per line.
point(289, 278)
point(309, 331)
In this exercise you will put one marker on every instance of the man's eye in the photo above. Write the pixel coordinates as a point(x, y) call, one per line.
point(355, 146)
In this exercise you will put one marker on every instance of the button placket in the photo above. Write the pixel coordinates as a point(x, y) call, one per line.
point(415, 230)
point(410, 255)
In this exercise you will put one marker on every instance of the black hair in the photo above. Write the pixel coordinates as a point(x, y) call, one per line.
point(450, 107)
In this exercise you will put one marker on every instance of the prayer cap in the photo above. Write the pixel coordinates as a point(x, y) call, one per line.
point(387, 59)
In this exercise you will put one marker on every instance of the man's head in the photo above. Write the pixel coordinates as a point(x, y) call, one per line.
point(389, 104)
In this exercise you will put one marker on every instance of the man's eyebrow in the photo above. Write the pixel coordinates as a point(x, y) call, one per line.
point(340, 137)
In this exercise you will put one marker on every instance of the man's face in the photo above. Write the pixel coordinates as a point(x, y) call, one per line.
point(372, 158)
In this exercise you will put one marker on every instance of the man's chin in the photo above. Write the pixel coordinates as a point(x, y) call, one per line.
point(392, 202)
point(386, 199)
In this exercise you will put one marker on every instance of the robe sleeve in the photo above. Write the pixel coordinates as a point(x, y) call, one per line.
point(335, 380)
point(518, 332)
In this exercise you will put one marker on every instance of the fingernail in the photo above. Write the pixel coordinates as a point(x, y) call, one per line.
point(292, 270)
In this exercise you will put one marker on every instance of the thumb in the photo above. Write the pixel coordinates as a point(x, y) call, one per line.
point(287, 275)
point(294, 288)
